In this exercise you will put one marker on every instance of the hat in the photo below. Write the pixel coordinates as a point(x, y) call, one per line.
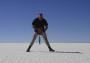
point(40, 14)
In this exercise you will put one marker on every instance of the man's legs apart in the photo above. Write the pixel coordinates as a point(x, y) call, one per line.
point(33, 40)
point(46, 41)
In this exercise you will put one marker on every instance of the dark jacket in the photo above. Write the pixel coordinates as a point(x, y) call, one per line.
point(37, 24)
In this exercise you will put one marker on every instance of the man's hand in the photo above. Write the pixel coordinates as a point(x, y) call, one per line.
point(40, 31)
point(45, 28)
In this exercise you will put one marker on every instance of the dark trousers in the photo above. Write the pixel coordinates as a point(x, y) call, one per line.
point(34, 38)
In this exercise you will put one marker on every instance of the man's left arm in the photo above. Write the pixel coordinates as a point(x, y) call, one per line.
point(46, 25)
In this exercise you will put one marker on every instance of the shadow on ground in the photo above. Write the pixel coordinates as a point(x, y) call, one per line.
point(66, 52)
point(58, 52)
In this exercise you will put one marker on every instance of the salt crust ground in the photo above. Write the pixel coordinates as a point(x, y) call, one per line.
point(67, 53)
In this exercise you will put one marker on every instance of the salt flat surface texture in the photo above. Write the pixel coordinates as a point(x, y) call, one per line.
point(65, 53)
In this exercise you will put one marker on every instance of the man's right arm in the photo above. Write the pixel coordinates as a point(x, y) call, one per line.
point(33, 23)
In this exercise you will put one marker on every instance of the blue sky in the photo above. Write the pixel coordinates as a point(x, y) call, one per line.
point(69, 20)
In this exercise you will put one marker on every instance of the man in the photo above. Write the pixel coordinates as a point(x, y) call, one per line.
point(40, 26)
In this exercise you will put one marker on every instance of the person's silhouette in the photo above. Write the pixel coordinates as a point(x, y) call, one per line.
point(40, 26)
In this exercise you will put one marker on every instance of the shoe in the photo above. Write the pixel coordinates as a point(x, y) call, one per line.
point(27, 50)
point(51, 50)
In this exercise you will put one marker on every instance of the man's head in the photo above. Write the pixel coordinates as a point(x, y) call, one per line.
point(40, 16)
